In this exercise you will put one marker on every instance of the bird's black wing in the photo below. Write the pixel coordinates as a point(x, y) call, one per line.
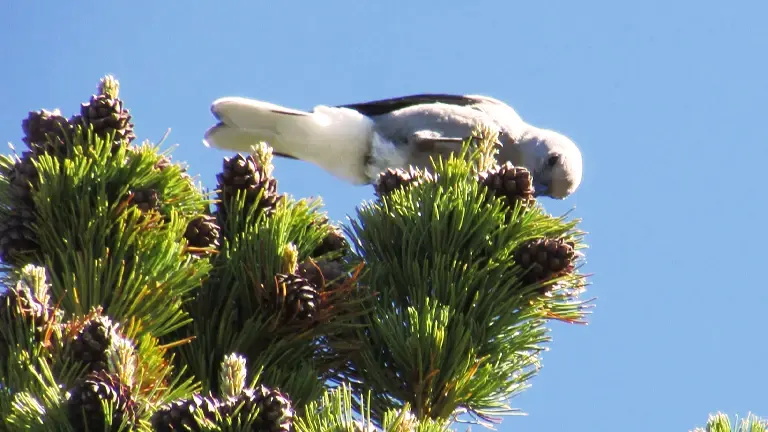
point(385, 106)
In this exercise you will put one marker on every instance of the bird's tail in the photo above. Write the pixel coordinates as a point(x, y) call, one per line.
point(336, 139)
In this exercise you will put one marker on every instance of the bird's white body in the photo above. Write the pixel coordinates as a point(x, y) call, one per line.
point(357, 142)
point(315, 137)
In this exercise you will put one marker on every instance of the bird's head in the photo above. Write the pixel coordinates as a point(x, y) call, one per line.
point(554, 160)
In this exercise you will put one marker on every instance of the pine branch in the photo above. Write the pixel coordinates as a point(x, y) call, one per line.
point(335, 412)
point(721, 423)
point(279, 289)
point(88, 227)
point(108, 221)
point(459, 323)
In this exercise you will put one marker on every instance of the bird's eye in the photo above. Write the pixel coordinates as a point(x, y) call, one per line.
point(552, 161)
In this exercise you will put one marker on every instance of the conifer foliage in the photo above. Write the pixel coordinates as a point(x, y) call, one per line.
point(134, 301)
point(457, 325)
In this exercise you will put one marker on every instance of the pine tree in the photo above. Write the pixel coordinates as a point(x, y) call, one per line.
point(135, 301)
point(721, 423)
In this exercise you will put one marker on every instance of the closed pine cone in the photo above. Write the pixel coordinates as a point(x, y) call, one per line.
point(545, 259)
point(46, 132)
point(513, 183)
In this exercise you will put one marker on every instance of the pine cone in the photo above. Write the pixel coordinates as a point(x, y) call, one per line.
point(545, 259)
point(322, 273)
point(202, 232)
point(84, 406)
point(46, 132)
point(275, 411)
point(17, 239)
point(244, 174)
point(146, 199)
point(301, 298)
point(91, 343)
point(393, 179)
point(107, 115)
point(334, 241)
point(23, 178)
point(180, 415)
point(513, 183)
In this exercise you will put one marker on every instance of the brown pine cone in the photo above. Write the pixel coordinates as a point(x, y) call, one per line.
point(243, 174)
point(513, 183)
point(91, 343)
point(84, 406)
point(273, 409)
point(107, 115)
point(301, 298)
point(180, 414)
point(23, 178)
point(393, 179)
point(334, 241)
point(46, 132)
point(545, 259)
point(322, 273)
point(146, 199)
point(202, 232)
point(17, 239)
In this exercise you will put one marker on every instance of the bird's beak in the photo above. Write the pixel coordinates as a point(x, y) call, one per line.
point(539, 189)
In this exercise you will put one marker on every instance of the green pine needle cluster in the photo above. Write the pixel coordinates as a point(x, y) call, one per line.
point(135, 301)
point(335, 412)
point(722, 423)
point(454, 327)
point(242, 307)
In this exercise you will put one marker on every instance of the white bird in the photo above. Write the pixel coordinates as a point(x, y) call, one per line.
point(356, 142)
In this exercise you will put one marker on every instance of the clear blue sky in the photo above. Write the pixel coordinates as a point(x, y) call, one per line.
point(666, 99)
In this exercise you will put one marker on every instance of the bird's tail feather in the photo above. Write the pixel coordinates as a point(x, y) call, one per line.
point(336, 139)
point(227, 137)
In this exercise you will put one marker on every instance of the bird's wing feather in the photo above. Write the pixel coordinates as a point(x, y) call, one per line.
point(386, 106)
